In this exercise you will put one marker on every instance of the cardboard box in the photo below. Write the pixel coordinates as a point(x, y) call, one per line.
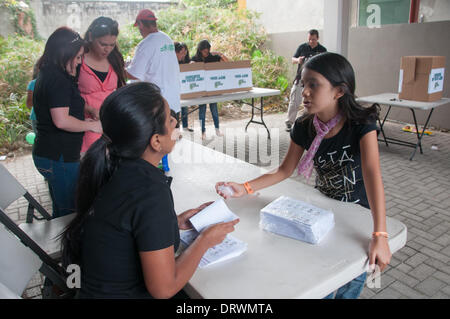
point(204, 79)
point(421, 78)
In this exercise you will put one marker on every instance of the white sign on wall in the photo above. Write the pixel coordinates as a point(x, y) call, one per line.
point(436, 80)
point(400, 81)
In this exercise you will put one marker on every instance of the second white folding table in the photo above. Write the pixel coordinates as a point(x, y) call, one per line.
point(238, 96)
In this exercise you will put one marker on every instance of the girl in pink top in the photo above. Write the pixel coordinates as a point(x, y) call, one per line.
point(102, 69)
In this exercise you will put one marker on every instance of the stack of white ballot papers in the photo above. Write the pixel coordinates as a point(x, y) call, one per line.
point(231, 247)
point(296, 219)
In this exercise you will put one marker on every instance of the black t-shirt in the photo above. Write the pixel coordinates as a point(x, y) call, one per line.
point(308, 52)
point(55, 88)
point(208, 59)
point(133, 212)
point(337, 161)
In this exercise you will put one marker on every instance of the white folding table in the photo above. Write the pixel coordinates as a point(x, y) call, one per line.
point(237, 96)
point(273, 266)
point(391, 99)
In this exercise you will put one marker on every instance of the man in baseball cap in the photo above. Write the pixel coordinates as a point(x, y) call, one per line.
point(145, 15)
point(155, 60)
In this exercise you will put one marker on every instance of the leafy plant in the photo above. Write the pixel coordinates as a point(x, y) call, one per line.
point(14, 122)
point(225, 4)
point(18, 54)
point(232, 32)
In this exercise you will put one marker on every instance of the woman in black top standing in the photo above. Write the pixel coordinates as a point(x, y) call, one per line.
point(205, 55)
point(126, 231)
point(182, 52)
point(59, 112)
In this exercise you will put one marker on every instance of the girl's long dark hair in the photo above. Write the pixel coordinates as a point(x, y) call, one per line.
point(61, 47)
point(203, 44)
point(178, 47)
point(339, 72)
point(106, 26)
point(130, 116)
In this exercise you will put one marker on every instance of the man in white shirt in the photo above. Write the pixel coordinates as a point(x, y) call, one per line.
point(155, 60)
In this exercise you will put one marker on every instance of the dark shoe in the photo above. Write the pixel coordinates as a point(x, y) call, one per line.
point(288, 127)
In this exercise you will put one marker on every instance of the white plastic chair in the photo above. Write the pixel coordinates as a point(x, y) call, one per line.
point(45, 233)
point(11, 190)
point(6, 293)
point(16, 261)
point(18, 264)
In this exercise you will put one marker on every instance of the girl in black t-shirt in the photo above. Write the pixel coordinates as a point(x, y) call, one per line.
point(205, 55)
point(59, 110)
point(126, 231)
point(341, 139)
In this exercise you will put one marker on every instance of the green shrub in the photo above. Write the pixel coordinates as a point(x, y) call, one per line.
point(18, 55)
point(128, 39)
point(234, 33)
point(14, 122)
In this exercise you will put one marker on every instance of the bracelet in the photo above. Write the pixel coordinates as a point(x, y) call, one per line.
point(248, 188)
point(380, 233)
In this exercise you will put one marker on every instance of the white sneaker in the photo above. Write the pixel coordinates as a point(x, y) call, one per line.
point(218, 132)
point(203, 136)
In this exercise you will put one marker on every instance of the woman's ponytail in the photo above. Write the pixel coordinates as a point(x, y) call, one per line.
point(95, 171)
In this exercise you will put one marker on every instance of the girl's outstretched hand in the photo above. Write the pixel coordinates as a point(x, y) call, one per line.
point(379, 252)
point(238, 189)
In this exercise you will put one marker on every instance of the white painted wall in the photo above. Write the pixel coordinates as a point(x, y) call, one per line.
point(335, 31)
point(78, 14)
point(280, 16)
point(432, 10)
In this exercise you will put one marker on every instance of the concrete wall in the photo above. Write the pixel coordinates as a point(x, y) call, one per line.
point(375, 55)
point(78, 14)
point(6, 22)
point(283, 16)
point(434, 10)
point(285, 44)
point(287, 23)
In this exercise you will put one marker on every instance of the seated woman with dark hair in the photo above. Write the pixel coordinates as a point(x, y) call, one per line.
point(126, 231)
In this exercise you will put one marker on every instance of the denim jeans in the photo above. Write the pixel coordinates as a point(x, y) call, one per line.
point(62, 178)
point(202, 115)
point(351, 290)
point(184, 116)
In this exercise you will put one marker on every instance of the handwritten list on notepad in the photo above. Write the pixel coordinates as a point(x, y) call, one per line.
point(215, 213)
point(231, 247)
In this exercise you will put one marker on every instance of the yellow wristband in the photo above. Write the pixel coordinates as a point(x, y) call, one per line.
point(248, 188)
point(380, 233)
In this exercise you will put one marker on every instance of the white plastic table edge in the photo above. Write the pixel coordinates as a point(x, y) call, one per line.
point(254, 93)
point(385, 99)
